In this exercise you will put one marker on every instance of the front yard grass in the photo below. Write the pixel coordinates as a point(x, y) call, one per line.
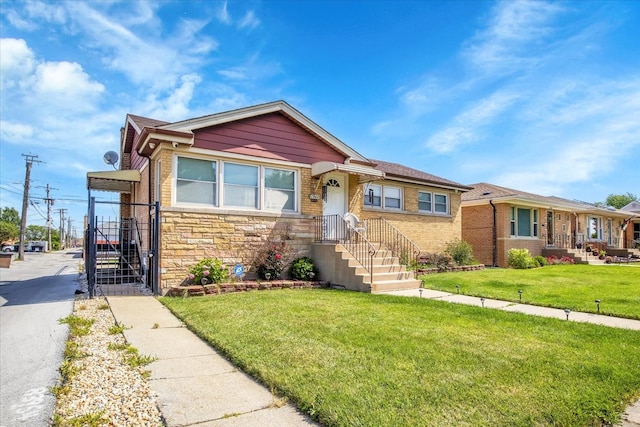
point(575, 287)
point(354, 359)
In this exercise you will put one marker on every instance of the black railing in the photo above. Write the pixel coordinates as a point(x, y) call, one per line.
point(379, 230)
point(333, 228)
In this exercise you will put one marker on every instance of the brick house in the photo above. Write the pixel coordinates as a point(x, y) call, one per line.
point(496, 219)
point(228, 183)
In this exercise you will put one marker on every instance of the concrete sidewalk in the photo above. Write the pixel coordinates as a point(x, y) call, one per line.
point(196, 385)
point(556, 313)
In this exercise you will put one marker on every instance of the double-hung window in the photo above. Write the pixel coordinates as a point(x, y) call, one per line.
point(523, 222)
point(196, 181)
point(433, 202)
point(240, 185)
point(379, 196)
point(279, 189)
point(424, 202)
point(373, 196)
point(392, 197)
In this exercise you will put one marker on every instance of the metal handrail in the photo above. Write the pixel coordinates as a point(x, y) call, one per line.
point(333, 228)
point(381, 231)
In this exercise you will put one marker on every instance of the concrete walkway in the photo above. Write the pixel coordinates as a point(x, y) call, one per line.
point(195, 385)
point(556, 313)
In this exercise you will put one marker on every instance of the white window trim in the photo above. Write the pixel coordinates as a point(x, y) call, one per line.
point(220, 186)
point(382, 198)
point(432, 210)
point(534, 225)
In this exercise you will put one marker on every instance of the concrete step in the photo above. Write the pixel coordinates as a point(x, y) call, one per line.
point(383, 277)
point(395, 285)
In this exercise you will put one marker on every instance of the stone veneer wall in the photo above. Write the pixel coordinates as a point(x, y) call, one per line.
point(189, 236)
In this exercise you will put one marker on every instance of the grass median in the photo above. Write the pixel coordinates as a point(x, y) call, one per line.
point(575, 287)
point(353, 359)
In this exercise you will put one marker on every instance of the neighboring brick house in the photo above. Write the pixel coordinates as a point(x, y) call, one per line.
point(228, 183)
point(496, 219)
point(632, 226)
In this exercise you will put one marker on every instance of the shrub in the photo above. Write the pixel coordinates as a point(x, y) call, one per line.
point(271, 260)
point(540, 261)
point(460, 251)
point(303, 269)
point(208, 270)
point(520, 258)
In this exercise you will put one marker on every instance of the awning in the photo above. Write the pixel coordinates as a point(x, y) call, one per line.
point(320, 168)
point(119, 181)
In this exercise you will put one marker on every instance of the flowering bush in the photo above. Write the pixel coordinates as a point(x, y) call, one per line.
point(554, 260)
point(271, 260)
point(208, 270)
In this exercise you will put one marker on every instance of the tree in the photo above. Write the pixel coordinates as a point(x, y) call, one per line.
point(9, 232)
point(10, 215)
point(36, 232)
point(618, 201)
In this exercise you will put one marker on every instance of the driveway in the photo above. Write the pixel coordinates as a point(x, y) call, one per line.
point(34, 294)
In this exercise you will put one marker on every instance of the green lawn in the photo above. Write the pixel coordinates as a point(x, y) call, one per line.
point(575, 287)
point(355, 359)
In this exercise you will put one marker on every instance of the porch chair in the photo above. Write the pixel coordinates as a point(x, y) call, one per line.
point(354, 224)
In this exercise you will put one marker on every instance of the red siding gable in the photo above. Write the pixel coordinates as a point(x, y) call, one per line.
point(271, 136)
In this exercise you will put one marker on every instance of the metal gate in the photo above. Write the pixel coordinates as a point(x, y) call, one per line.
point(121, 252)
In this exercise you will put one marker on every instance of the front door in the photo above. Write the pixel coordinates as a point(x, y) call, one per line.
point(334, 202)
point(549, 228)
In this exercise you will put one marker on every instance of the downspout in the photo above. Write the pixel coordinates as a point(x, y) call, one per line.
point(495, 235)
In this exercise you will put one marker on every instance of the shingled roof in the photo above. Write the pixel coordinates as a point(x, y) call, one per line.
point(401, 172)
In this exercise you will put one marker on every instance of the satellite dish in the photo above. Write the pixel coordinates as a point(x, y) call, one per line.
point(111, 158)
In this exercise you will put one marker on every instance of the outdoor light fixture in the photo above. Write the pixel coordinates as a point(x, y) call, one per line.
point(520, 294)
point(458, 288)
point(420, 290)
point(482, 301)
point(598, 305)
point(567, 311)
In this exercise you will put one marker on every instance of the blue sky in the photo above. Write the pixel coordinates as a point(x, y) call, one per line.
point(539, 96)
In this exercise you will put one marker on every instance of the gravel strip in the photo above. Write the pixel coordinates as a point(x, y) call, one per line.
point(105, 389)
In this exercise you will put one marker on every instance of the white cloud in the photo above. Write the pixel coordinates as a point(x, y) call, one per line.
point(175, 106)
point(514, 37)
point(66, 79)
point(249, 20)
point(223, 14)
point(15, 133)
point(16, 63)
point(467, 126)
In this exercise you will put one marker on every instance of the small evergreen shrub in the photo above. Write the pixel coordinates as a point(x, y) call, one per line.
point(540, 261)
point(207, 271)
point(303, 269)
point(520, 258)
point(460, 251)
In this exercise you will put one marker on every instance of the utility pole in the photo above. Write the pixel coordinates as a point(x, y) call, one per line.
point(62, 236)
point(25, 203)
point(68, 241)
point(49, 201)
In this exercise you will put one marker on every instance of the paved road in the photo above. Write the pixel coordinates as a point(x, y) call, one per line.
point(34, 294)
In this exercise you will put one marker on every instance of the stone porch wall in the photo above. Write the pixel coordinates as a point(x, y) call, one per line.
point(187, 236)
